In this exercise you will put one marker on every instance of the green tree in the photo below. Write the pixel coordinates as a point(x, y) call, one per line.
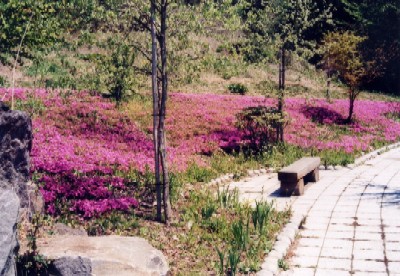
point(382, 23)
point(379, 21)
point(117, 68)
point(160, 94)
point(294, 18)
point(15, 15)
point(286, 23)
point(342, 53)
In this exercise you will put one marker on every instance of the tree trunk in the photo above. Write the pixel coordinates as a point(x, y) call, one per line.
point(281, 91)
point(352, 98)
point(328, 88)
point(283, 67)
point(16, 62)
point(280, 76)
point(156, 112)
point(118, 95)
point(164, 95)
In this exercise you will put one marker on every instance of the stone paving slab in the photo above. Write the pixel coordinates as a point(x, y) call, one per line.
point(351, 216)
point(352, 226)
point(330, 272)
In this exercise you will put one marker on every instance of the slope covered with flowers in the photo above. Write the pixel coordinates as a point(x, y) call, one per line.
point(81, 140)
point(202, 122)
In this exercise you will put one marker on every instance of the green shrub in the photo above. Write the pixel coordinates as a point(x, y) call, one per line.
point(238, 88)
point(234, 259)
point(195, 173)
point(31, 105)
point(260, 126)
point(3, 81)
point(226, 67)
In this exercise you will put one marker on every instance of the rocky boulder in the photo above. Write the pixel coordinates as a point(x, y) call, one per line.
point(69, 266)
point(108, 255)
point(9, 207)
point(15, 147)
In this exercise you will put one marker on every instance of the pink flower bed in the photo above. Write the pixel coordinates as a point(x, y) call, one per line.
point(80, 140)
point(205, 122)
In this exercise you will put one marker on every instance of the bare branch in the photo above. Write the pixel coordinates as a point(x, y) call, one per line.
point(16, 61)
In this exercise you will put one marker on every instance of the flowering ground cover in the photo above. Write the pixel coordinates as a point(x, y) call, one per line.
point(81, 141)
point(312, 123)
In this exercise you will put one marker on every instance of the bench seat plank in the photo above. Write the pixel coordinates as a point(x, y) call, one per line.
point(295, 175)
point(299, 169)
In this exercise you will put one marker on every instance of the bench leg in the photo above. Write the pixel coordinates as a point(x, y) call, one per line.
point(313, 176)
point(299, 189)
point(292, 188)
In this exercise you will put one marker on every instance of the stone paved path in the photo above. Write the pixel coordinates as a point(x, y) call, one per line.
point(352, 224)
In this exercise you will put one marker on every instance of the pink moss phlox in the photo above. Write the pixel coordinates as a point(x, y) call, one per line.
point(80, 139)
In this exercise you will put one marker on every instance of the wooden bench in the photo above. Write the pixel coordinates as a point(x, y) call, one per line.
point(293, 176)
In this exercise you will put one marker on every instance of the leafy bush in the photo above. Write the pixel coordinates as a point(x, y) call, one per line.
point(3, 81)
point(117, 69)
point(33, 106)
point(226, 67)
point(238, 88)
point(260, 126)
point(195, 173)
point(32, 19)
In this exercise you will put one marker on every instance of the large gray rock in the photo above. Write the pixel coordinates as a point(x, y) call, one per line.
point(15, 146)
point(9, 208)
point(69, 266)
point(109, 255)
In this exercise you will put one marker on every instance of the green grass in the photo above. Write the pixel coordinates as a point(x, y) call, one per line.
point(33, 106)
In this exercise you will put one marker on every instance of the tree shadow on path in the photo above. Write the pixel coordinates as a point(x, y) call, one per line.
point(391, 197)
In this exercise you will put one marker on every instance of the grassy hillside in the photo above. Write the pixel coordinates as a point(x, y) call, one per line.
point(207, 54)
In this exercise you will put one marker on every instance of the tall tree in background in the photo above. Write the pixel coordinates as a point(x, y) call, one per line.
point(379, 21)
point(286, 26)
point(293, 19)
point(138, 20)
point(382, 24)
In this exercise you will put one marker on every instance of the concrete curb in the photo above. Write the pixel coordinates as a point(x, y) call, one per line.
point(223, 179)
point(288, 234)
point(361, 160)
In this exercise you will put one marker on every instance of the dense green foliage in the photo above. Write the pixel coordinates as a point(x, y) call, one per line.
point(117, 70)
point(238, 88)
point(246, 32)
point(379, 21)
point(261, 126)
point(37, 19)
point(342, 55)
